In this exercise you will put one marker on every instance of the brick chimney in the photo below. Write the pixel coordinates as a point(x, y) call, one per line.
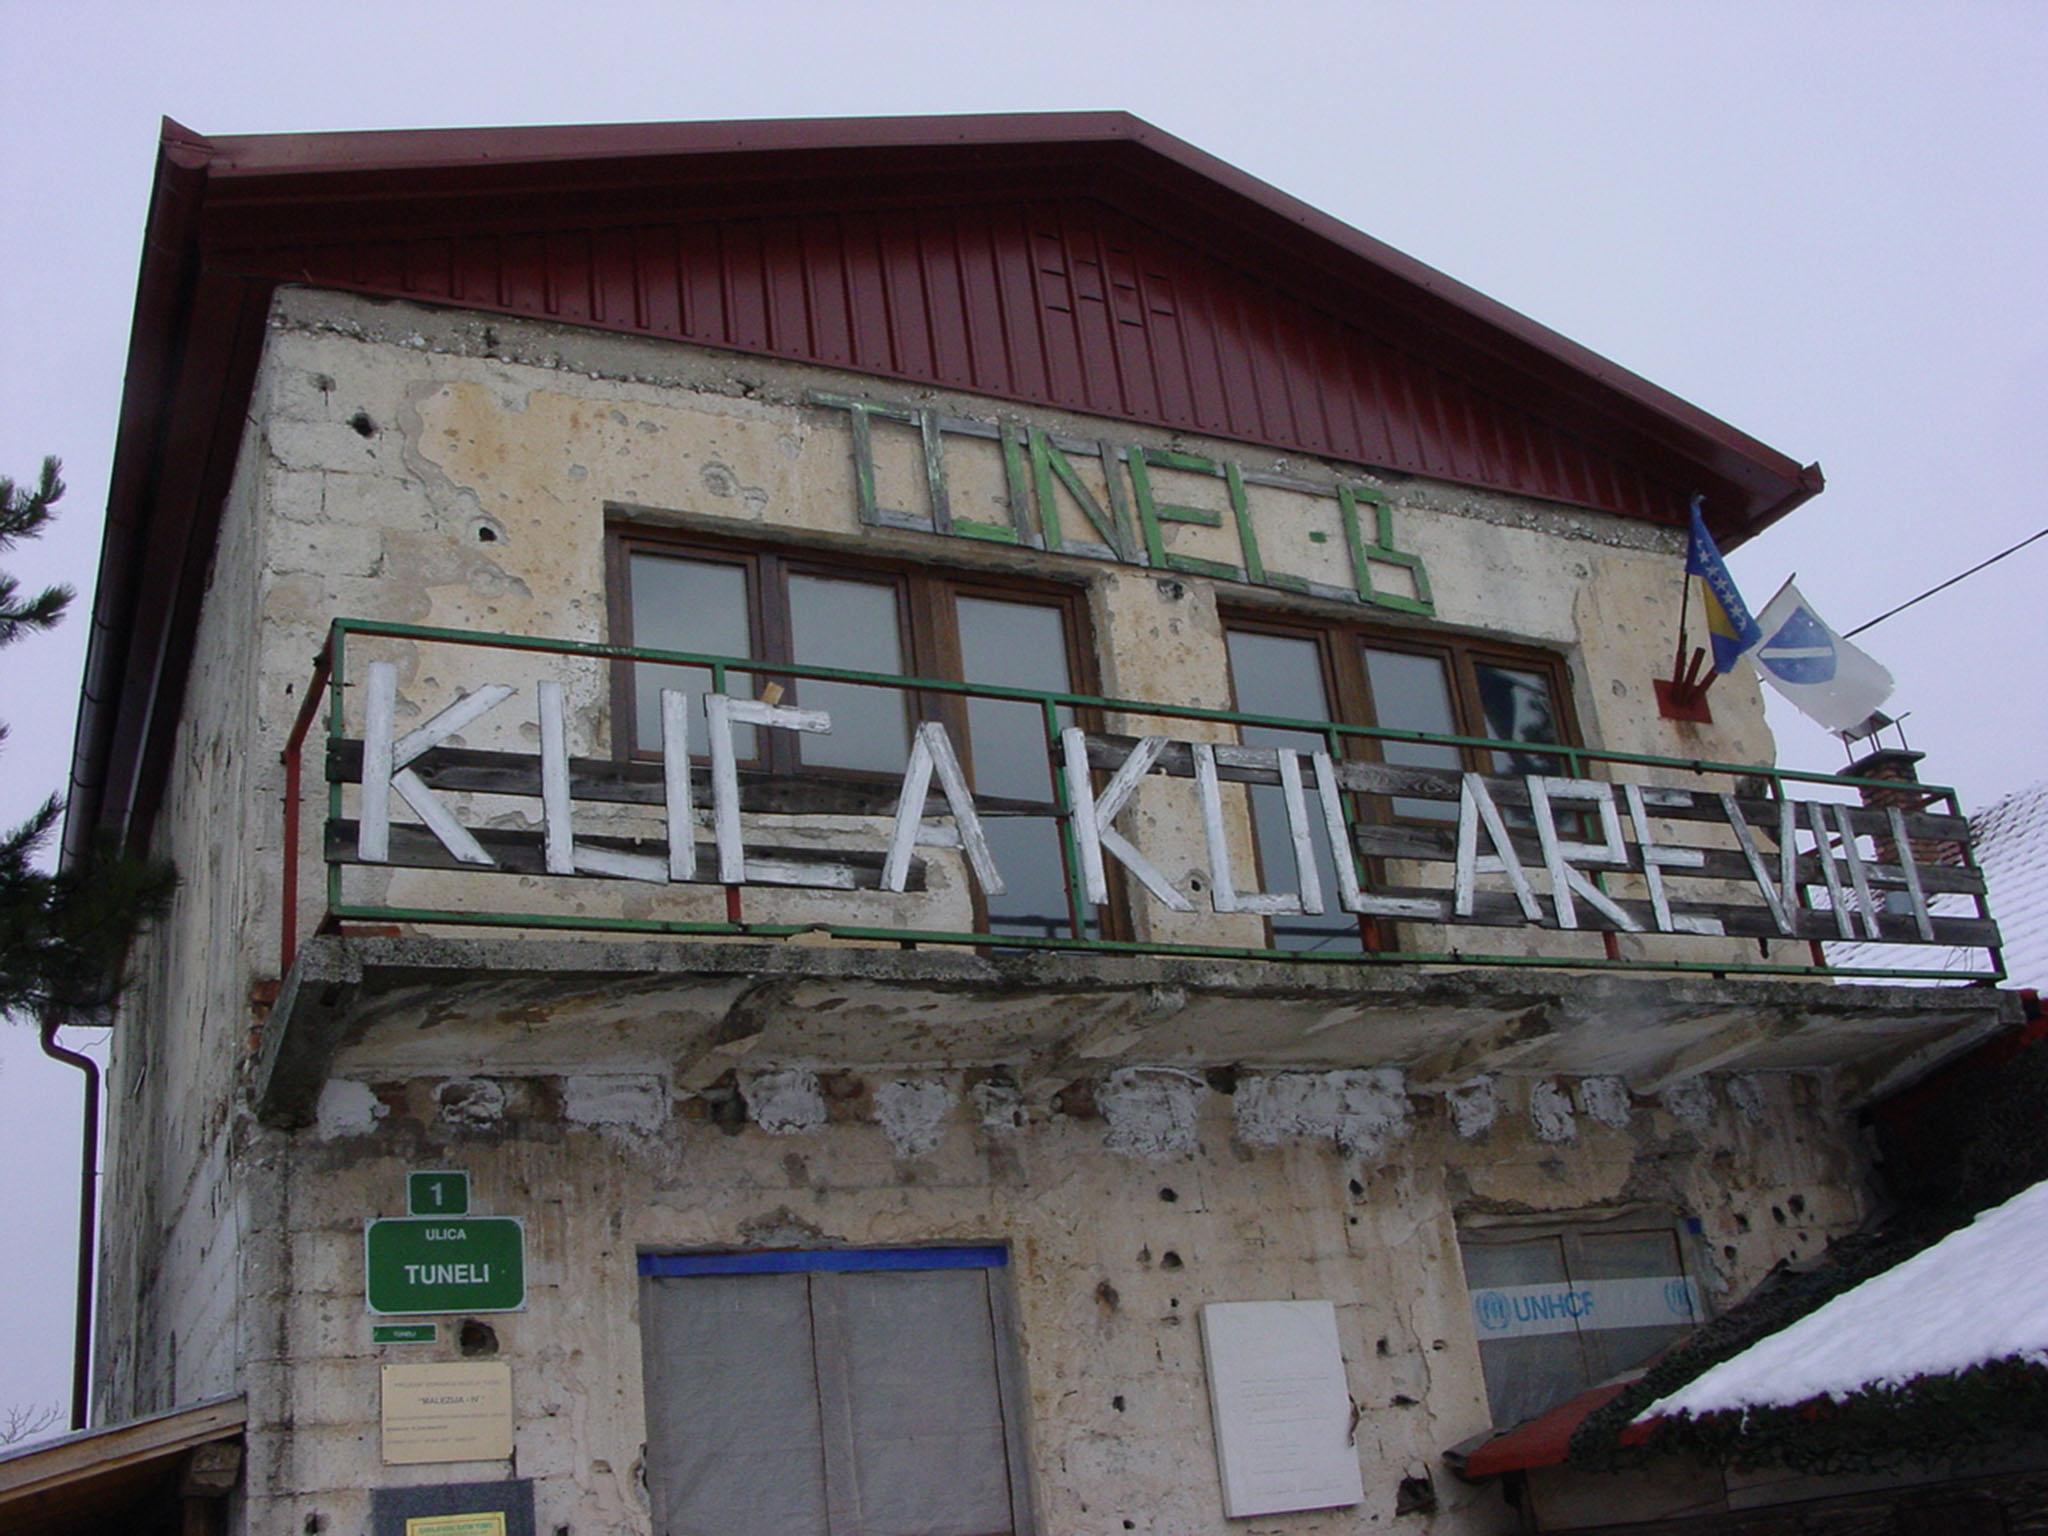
point(1900, 766)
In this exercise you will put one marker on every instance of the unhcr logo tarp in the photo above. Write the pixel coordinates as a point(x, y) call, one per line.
point(1525, 1311)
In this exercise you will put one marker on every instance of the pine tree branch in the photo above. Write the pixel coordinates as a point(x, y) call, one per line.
point(19, 844)
point(63, 937)
point(23, 513)
point(41, 612)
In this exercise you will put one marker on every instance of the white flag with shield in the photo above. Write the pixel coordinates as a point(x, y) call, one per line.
point(1829, 679)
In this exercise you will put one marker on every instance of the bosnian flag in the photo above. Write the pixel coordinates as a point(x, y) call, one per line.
point(1729, 625)
point(1829, 679)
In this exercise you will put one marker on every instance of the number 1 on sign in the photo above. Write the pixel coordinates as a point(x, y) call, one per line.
point(441, 1192)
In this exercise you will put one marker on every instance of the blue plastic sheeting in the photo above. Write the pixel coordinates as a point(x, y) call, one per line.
point(786, 1262)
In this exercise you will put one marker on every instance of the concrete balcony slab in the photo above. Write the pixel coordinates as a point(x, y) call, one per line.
point(411, 1006)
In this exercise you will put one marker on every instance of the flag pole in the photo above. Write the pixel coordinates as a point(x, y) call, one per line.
point(1684, 606)
point(1685, 597)
point(1679, 698)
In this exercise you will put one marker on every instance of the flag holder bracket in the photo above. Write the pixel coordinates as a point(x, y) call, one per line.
point(1683, 695)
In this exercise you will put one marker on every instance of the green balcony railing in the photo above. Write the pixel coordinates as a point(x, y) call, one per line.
point(1831, 889)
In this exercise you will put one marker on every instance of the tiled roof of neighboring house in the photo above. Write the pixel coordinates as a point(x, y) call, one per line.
point(2011, 843)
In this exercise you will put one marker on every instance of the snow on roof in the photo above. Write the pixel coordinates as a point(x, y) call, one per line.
point(1977, 1295)
point(2011, 843)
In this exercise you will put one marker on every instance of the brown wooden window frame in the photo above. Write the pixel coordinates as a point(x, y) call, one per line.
point(1350, 694)
point(1340, 648)
point(929, 637)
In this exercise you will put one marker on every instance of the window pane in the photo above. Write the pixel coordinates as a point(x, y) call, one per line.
point(1017, 645)
point(1282, 675)
point(1011, 645)
point(1528, 1374)
point(1412, 693)
point(1278, 675)
point(850, 624)
point(688, 605)
point(1518, 707)
point(1650, 1256)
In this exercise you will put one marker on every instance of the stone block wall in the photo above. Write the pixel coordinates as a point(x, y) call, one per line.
point(1126, 1204)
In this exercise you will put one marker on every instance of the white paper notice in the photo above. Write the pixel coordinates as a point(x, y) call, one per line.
point(1282, 1408)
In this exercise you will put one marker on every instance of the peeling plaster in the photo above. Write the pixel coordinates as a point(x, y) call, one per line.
point(634, 1103)
point(1691, 1102)
point(1550, 1112)
point(782, 1228)
point(347, 1109)
point(1360, 1111)
point(1606, 1100)
point(1474, 1106)
point(1001, 1108)
point(1747, 1094)
point(471, 1101)
point(1150, 1110)
point(784, 1103)
point(912, 1114)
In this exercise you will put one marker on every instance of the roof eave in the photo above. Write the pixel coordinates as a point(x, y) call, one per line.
point(168, 270)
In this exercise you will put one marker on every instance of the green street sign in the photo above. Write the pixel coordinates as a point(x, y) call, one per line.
point(441, 1192)
point(415, 1264)
point(405, 1333)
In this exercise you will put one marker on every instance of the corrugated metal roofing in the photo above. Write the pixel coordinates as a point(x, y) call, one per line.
point(1086, 261)
point(1064, 302)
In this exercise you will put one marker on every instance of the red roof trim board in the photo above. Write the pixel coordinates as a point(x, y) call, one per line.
point(1086, 261)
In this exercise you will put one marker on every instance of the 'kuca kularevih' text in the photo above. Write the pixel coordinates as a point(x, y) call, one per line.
point(1545, 846)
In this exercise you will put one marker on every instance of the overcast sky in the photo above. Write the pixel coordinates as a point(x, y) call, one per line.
point(1821, 222)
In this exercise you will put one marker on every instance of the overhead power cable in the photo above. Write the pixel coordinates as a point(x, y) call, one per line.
point(1973, 570)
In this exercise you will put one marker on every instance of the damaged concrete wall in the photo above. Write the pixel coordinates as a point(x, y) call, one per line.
point(173, 1225)
point(1148, 1193)
point(444, 469)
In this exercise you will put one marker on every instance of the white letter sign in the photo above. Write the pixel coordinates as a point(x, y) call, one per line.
point(385, 767)
point(1561, 858)
point(1825, 869)
point(734, 867)
point(1093, 833)
point(932, 752)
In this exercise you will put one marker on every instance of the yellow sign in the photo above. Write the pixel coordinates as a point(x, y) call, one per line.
point(456, 1525)
point(460, 1411)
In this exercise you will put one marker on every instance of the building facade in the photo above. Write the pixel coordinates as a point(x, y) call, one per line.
point(965, 788)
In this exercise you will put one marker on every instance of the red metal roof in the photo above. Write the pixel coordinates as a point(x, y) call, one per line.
point(1087, 262)
point(1546, 1440)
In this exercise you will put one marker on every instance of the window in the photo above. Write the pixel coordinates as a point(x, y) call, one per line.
point(855, 1392)
point(789, 607)
point(1561, 1308)
point(1364, 676)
